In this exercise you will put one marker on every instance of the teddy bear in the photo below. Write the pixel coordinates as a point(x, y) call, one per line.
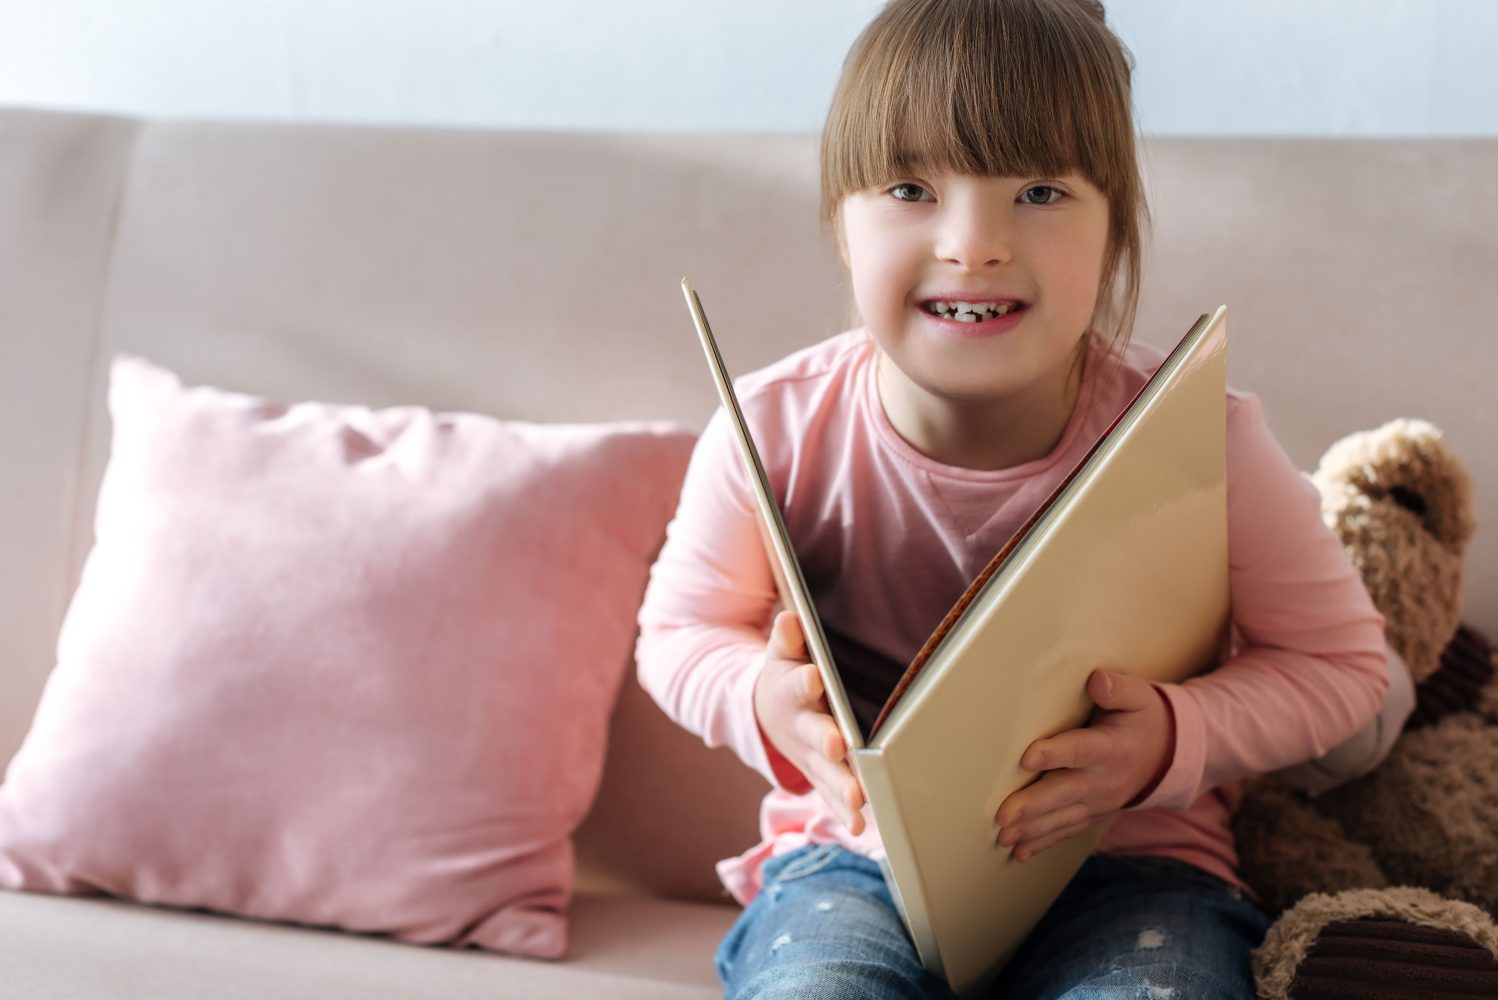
point(1386, 885)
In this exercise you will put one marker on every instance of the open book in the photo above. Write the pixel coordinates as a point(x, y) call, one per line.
point(1124, 566)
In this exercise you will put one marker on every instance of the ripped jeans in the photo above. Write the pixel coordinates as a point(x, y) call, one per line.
point(1153, 928)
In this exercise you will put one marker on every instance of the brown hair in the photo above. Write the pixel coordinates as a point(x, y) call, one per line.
point(996, 88)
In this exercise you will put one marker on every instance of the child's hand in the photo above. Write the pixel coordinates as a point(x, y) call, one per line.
point(792, 711)
point(1095, 771)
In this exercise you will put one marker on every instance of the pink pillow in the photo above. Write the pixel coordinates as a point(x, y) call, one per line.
point(340, 667)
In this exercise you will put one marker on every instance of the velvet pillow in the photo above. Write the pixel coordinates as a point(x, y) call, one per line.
point(340, 666)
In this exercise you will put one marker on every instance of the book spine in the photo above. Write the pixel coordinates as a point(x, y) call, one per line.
point(900, 871)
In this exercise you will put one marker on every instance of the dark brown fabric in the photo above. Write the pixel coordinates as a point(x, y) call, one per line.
point(1377, 958)
point(1466, 668)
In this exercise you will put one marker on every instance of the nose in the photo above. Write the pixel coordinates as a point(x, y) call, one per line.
point(973, 236)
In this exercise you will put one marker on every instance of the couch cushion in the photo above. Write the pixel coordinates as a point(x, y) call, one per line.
point(340, 666)
point(622, 948)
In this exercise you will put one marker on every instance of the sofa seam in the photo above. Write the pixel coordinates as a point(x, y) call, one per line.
point(93, 352)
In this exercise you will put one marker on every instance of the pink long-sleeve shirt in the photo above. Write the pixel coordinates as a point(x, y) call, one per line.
point(888, 539)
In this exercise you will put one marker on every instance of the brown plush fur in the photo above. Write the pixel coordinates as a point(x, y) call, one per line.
point(1430, 811)
point(1291, 939)
point(1402, 505)
point(1463, 683)
point(1324, 858)
point(1424, 824)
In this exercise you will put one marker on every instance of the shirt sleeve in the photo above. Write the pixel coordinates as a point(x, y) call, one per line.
point(1311, 670)
point(1366, 748)
point(707, 608)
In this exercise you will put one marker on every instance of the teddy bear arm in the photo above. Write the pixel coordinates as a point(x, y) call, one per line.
point(1286, 849)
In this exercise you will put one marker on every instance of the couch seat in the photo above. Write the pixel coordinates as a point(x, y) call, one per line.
point(95, 948)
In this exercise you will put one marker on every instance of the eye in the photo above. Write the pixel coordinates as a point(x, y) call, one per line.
point(907, 191)
point(1048, 195)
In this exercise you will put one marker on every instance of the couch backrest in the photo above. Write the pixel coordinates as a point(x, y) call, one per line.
point(534, 275)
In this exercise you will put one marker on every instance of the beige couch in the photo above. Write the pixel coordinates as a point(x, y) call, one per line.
point(536, 275)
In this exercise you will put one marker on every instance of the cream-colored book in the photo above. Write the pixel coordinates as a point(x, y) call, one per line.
point(1125, 567)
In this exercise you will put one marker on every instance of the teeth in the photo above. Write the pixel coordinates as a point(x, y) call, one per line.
point(970, 312)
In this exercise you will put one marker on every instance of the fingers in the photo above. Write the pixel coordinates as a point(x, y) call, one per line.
point(786, 638)
point(1036, 827)
point(810, 680)
point(804, 680)
point(838, 785)
point(798, 685)
point(814, 724)
point(1075, 748)
point(1087, 770)
point(1029, 848)
point(1056, 791)
point(818, 731)
point(826, 758)
point(828, 769)
point(839, 788)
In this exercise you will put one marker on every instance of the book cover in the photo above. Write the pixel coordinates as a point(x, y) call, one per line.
point(1125, 568)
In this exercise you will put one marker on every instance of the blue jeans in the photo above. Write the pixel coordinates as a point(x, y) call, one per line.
point(824, 925)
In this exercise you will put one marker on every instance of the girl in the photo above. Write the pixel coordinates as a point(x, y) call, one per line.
point(978, 170)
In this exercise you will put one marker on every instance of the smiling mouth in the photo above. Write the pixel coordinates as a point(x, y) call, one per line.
point(971, 312)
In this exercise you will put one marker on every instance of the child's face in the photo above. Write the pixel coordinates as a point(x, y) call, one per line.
point(1035, 241)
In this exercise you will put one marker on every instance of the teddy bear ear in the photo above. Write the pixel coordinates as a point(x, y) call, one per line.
point(1405, 464)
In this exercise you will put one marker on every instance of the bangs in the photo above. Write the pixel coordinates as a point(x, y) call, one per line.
point(984, 88)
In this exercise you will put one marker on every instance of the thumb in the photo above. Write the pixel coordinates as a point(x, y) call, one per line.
point(1118, 692)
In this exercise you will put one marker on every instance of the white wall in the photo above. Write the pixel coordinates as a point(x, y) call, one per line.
point(1230, 67)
